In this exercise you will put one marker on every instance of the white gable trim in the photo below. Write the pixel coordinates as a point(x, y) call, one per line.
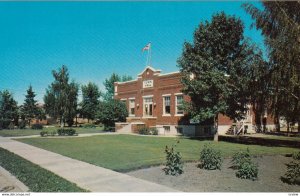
point(149, 67)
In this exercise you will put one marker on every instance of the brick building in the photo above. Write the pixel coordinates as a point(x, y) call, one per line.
point(154, 100)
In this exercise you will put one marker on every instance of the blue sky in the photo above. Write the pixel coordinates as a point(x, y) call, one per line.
point(95, 39)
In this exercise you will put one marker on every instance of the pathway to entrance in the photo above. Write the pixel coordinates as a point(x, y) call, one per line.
point(85, 175)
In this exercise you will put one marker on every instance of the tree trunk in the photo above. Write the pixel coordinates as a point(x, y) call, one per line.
point(76, 121)
point(288, 129)
point(62, 122)
point(258, 121)
point(276, 121)
point(216, 136)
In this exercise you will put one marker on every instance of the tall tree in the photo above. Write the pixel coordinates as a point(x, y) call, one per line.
point(280, 25)
point(259, 88)
point(90, 100)
point(61, 97)
point(8, 109)
point(214, 68)
point(29, 109)
point(109, 84)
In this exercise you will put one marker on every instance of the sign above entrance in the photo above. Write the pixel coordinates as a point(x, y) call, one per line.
point(147, 83)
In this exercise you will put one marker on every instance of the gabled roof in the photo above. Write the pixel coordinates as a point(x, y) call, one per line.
point(151, 68)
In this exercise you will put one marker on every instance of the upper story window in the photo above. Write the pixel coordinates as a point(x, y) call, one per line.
point(167, 105)
point(131, 107)
point(179, 104)
point(147, 83)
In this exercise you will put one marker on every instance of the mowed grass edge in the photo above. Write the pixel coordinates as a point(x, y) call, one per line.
point(130, 152)
point(28, 131)
point(33, 176)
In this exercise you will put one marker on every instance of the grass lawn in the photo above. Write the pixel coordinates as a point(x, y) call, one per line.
point(33, 176)
point(128, 152)
point(25, 132)
point(278, 137)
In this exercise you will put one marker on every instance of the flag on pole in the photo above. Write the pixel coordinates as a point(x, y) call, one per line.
point(147, 47)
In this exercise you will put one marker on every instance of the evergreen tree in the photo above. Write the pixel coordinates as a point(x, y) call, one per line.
point(90, 100)
point(29, 110)
point(109, 84)
point(8, 109)
point(61, 97)
point(214, 69)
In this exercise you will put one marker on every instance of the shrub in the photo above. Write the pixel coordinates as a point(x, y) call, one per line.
point(240, 157)
point(89, 125)
point(53, 133)
point(44, 133)
point(37, 126)
point(210, 158)
point(292, 175)
point(148, 131)
point(296, 155)
point(153, 131)
point(144, 131)
point(174, 164)
point(22, 124)
point(109, 129)
point(247, 170)
point(62, 132)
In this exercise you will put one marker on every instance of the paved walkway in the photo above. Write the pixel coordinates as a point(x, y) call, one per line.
point(85, 175)
point(79, 135)
point(9, 183)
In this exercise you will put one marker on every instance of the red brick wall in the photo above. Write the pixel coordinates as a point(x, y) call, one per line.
point(162, 84)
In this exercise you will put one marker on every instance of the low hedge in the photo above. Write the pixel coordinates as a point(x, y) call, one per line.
point(37, 126)
point(148, 131)
point(62, 132)
point(33, 176)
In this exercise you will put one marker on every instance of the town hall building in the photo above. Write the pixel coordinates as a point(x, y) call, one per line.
point(155, 99)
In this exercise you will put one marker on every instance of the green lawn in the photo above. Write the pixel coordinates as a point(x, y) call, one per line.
point(127, 152)
point(25, 132)
point(277, 137)
point(33, 176)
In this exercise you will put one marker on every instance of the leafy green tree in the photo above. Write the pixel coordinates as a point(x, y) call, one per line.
point(112, 111)
point(214, 67)
point(90, 100)
point(61, 97)
point(109, 84)
point(259, 88)
point(279, 22)
point(29, 109)
point(8, 109)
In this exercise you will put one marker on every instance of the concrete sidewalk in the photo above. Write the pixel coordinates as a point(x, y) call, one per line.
point(85, 175)
point(9, 183)
point(56, 136)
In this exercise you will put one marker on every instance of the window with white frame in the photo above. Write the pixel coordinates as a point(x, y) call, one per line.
point(166, 105)
point(148, 106)
point(179, 104)
point(131, 107)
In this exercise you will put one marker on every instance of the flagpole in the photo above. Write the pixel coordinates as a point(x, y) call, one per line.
point(147, 59)
point(150, 54)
